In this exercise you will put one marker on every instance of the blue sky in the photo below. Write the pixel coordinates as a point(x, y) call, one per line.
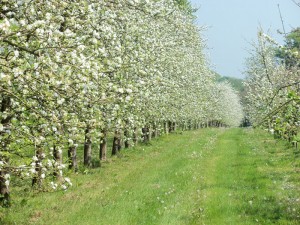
point(233, 24)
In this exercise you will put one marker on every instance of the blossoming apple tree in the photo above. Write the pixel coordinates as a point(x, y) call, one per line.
point(273, 88)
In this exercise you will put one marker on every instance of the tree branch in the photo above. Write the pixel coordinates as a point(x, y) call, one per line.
point(20, 47)
point(297, 4)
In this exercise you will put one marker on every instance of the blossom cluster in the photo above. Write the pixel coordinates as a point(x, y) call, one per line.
point(272, 90)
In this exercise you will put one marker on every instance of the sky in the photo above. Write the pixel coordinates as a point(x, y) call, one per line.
point(232, 25)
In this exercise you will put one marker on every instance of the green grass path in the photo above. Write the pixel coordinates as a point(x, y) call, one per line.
point(211, 176)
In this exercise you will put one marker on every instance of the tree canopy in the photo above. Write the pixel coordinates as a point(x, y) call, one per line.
point(290, 52)
point(272, 86)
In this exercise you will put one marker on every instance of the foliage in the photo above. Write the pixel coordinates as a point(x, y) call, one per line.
point(236, 83)
point(186, 6)
point(290, 52)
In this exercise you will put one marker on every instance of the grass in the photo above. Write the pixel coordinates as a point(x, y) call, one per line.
point(210, 176)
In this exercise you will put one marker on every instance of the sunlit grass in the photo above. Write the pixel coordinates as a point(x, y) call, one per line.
point(211, 176)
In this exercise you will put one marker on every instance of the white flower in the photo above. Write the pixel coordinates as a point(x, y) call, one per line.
point(43, 176)
point(53, 185)
point(16, 52)
point(22, 22)
point(71, 142)
point(6, 183)
point(34, 158)
point(49, 163)
point(60, 101)
point(48, 16)
point(67, 179)
point(127, 98)
point(5, 24)
point(1, 126)
point(3, 77)
point(61, 166)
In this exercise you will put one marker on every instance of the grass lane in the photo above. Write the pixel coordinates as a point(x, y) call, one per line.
point(239, 185)
point(211, 176)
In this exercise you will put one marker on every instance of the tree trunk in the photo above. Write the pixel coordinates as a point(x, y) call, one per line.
point(154, 131)
point(103, 145)
point(4, 172)
point(87, 148)
point(72, 155)
point(37, 179)
point(4, 187)
point(184, 127)
point(166, 128)
point(126, 137)
point(135, 136)
point(190, 125)
point(57, 154)
point(170, 126)
point(149, 133)
point(145, 134)
point(116, 143)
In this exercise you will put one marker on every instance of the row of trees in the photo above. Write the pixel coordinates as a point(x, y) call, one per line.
point(273, 85)
point(74, 72)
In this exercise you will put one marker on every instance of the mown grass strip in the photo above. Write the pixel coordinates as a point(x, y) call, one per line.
point(240, 186)
point(211, 176)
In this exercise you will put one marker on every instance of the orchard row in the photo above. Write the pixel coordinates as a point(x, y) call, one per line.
point(74, 72)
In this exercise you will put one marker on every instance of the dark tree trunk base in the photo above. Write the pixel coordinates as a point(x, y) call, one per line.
point(5, 200)
point(37, 180)
point(146, 134)
point(87, 149)
point(126, 136)
point(103, 146)
point(72, 155)
point(116, 143)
